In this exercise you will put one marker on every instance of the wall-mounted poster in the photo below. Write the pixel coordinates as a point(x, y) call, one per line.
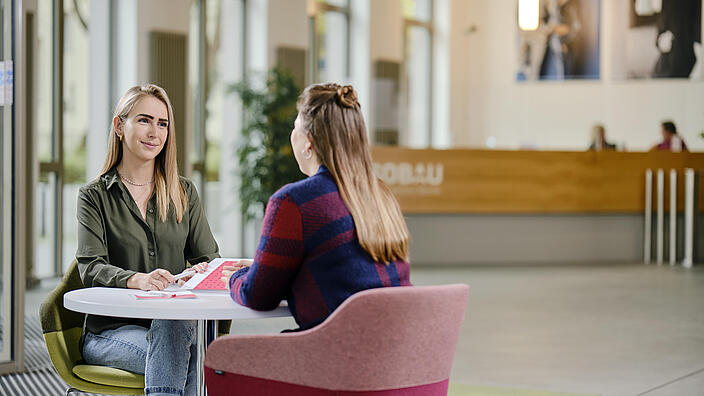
point(658, 39)
point(565, 44)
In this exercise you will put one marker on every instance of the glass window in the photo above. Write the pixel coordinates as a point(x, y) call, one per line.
point(75, 117)
point(331, 41)
point(195, 76)
point(5, 222)
point(214, 92)
point(419, 10)
point(417, 77)
point(8, 293)
point(216, 199)
point(62, 118)
point(3, 232)
point(337, 3)
point(418, 86)
point(45, 226)
point(221, 41)
point(44, 23)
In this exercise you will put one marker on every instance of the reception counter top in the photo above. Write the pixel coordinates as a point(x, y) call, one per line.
point(525, 182)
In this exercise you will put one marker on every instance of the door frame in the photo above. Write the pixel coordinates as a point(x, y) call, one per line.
point(14, 122)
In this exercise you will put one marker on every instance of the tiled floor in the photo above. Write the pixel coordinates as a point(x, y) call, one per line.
point(611, 330)
point(595, 329)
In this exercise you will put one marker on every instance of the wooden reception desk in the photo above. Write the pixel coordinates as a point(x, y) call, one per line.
point(528, 182)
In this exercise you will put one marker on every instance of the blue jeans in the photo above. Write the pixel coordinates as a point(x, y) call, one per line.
point(165, 353)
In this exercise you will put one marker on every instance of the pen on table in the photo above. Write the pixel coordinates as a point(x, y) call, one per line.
point(183, 274)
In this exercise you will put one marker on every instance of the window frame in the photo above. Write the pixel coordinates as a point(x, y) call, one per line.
point(14, 201)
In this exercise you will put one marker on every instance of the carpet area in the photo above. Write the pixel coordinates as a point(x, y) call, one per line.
point(39, 377)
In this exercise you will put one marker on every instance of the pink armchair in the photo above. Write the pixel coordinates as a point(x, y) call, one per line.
point(387, 341)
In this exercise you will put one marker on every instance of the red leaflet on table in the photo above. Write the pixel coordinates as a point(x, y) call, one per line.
point(213, 280)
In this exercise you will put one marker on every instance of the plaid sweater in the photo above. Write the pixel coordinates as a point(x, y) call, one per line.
point(309, 254)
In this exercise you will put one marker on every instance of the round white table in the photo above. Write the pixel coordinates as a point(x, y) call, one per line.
point(205, 308)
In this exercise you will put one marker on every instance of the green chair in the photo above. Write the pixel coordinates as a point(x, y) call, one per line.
point(62, 330)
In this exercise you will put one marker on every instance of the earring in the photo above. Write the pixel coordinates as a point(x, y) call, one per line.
point(119, 137)
point(309, 153)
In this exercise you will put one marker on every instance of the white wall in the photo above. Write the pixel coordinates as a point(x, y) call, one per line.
point(558, 115)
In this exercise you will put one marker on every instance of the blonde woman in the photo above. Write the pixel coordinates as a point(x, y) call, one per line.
point(139, 223)
point(335, 233)
point(599, 142)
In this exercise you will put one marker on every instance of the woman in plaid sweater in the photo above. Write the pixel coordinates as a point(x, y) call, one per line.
point(335, 233)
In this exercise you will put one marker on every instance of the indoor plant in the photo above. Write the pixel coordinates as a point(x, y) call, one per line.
point(266, 161)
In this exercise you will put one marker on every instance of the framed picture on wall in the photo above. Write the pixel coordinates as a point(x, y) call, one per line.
point(661, 40)
point(565, 44)
point(643, 13)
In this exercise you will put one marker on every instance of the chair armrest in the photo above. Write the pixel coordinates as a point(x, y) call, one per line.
point(276, 357)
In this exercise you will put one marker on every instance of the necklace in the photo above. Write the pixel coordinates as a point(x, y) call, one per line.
point(134, 183)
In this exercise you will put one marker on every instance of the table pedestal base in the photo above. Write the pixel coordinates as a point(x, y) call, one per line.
point(207, 331)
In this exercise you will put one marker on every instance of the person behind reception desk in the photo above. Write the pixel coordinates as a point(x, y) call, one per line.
point(671, 141)
point(333, 234)
point(599, 142)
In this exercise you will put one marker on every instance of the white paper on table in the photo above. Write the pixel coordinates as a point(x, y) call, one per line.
point(159, 295)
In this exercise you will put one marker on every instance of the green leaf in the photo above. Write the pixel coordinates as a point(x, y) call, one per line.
point(265, 156)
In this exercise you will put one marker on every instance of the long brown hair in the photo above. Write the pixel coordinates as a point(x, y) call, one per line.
point(332, 117)
point(166, 180)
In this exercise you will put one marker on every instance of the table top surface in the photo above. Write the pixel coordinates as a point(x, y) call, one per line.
point(119, 302)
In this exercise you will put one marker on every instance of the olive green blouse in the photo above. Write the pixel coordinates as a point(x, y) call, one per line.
point(115, 241)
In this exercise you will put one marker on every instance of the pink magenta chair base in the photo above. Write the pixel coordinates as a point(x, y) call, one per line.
point(236, 384)
point(386, 341)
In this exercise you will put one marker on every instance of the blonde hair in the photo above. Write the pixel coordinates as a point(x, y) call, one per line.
point(332, 117)
point(597, 130)
point(167, 185)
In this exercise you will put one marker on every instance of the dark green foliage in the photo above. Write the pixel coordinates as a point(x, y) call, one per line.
point(266, 161)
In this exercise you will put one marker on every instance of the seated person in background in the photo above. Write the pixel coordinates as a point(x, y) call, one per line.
point(599, 142)
point(671, 141)
point(333, 234)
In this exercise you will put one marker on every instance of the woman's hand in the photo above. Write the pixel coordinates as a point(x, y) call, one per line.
point(158, 279)
point(198, 268)
point(228, 270)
